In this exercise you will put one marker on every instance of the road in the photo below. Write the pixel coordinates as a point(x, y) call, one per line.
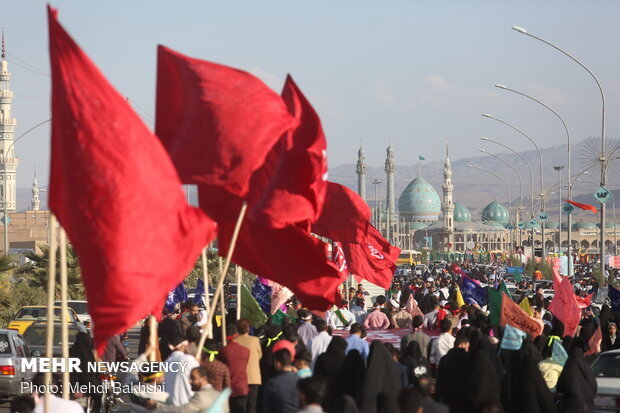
point(134, 337)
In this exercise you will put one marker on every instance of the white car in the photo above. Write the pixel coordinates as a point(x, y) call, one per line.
point(548, 293)
point(79, 307)
point(606, 369)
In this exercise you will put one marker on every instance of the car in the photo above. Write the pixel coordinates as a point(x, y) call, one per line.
point(80, 308)
point(420, 269)
point(35, 337)
point(29, 314)
point(606, 369)
point(13, 349)
point(548, 293)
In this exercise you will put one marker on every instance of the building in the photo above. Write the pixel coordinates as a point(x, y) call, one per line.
point(8, 160)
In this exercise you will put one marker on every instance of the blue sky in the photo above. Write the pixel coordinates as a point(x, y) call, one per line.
point(413, 73)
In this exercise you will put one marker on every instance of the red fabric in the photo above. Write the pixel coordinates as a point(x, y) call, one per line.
point(339, 260)
point(594, 344)
point(289, 256)
point(584, 302)
point(116, 193)
point(585, 207)
point(296, 191)
point(564, 306)
point(374, 259)
point(345, 216)
point(217, 123)
point(557, 278)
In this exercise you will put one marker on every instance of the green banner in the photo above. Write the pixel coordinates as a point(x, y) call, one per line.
point(495, 305)
point(250, 309)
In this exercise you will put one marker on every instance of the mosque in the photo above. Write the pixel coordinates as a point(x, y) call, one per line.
point(424, 220)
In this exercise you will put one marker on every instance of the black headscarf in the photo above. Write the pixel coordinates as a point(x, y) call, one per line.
point(415, 361)
point(328, 363)
point(453, 375)
point(82, 349)
point(577, 382)
point(382, 377)
point(348, 379)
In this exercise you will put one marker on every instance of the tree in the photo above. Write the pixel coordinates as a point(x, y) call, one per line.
point(6, 263)
point(532, 266)
point(36, 272)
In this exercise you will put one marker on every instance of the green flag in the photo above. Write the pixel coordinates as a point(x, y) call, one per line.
point(518, 276)
point(250, 309)
point(495, 305)
point(502, 287)
point(278, 317)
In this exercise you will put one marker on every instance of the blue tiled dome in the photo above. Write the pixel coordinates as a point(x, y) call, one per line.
point(461, 213)
point(551, 225)
point(419, 203)
point(528, 226)
point(583, 225)
point(495, 212)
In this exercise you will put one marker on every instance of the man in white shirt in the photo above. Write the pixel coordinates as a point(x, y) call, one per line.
point(442, 344)
point(177, 384)
point(359, 311)
point(341, 318)
point(318, 344)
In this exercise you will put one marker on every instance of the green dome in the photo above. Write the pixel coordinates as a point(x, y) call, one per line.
point(493, 224)
point(583, 225)
point(564, 226)
point(528, 226)
point(551, 225)
point(461, 213)
point(495, 212)
point(419, 203)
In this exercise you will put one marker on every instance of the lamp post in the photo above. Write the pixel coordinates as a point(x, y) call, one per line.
point(504, 87)
point(529, 167)
point(520, 187)
point(559, 170)
point(501, 179)
point(377, 219)
point(542, 184)
point(4, 200)
point(602, 158)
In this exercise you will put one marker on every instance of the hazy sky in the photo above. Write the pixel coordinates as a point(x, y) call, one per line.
point(411, 72)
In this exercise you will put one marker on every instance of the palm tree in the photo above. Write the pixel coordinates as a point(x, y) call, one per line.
point(36, 272)
point(6, 263)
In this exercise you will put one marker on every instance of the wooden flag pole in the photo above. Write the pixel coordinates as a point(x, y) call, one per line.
point(64, 320)
point(152, 356)
point(51, 295)
point(222, 307)
point(206, 299)
point(238, 292)
point(220, 281)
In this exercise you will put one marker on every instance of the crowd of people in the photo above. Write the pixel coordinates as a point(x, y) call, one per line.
point(448, 357)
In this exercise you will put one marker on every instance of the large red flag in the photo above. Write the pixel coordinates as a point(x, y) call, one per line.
point(289, 256)
point(585, 207)
point(296, 191)
point(345, 216)
point(564, 306)
point(374, 259)
point(217, 123)
point(116, 193)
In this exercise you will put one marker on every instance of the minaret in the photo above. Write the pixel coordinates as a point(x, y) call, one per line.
point(361, 173)
point(390, 168)
point(8, 161)
point(448, 205)
point(35, 203)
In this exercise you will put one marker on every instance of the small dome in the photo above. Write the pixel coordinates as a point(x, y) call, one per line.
point(419, 203)
point(495, 212)
point(461, 213)
point(551, 225)
point(583, 225)
point(390, 150)
point(528, 226)
point(361, 151)
point(564, 226)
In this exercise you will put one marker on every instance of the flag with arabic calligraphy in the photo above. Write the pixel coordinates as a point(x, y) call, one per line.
point(564, 306)
point(513, 315)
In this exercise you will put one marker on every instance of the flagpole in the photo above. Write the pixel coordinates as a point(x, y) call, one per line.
point(64, 322)
point(238, 292)
point(222, 306)
point(205, 279)
point(51, 293)
point(152, 356)
point(220, 282)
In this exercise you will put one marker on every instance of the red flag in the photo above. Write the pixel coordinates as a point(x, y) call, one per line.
point(514, 316)
point(288, 256)
point(564, 306)
point(339, 260)
point(374, 259)
point(345, 216)
point(557, 278)
point(296, 191)
point(585, 207)
point(584, 302)
point(594, 343)
point(217, 123)
point(116, 193)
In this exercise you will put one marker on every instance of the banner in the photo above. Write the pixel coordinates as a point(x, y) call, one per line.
point(495, 305)
point(176, 296)
point(594, 343)
point(200, 292)
point(250, 309)
point(512, 339)
point(472, 292)
point(525, 306)
point(564, 306)
point(513, 315)
point(558, 354)
point(614, 261)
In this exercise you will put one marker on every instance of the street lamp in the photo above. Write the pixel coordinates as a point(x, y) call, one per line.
point(505, 183)
point(542, 192)
point(504, 87)
point(520, 185)
point(602, 158)
point(559, 170)
point(3, 197)
point(529, 167)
